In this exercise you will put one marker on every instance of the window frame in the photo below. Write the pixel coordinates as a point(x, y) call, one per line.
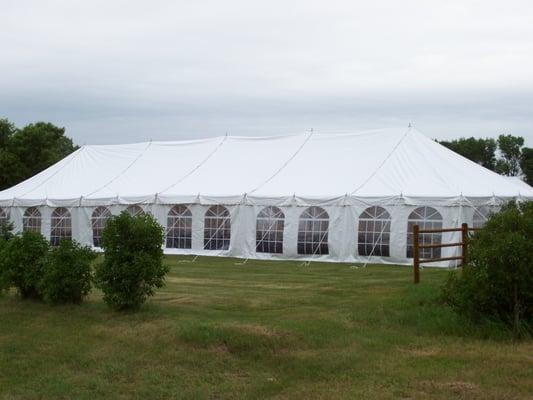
point(178, 234)
point(269, 240)
point(313, 223)
point(32, 220)
point(98, 224)
point(424, 220)
point(217, 228)
point(373, 232)
point(62, 228)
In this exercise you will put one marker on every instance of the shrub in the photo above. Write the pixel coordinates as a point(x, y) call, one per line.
point(67, 273)
point(497, 281)
point(6, 232)
point(133, 260)
point(22, 263)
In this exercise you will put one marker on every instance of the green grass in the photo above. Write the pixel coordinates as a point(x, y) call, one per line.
point(262, 330)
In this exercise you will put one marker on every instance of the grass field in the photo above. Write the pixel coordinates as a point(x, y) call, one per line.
point(262, 330)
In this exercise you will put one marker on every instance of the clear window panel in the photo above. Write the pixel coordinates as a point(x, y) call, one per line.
point(374, 232)
point(61, 226)
point(32, 220)
point(98, 222)
point(313, 232)
point(425, 218)
point(179, 228)
point(269, 230)
point(217, 228)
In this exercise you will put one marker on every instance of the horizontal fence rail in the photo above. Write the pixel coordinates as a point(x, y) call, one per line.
point(464, 229)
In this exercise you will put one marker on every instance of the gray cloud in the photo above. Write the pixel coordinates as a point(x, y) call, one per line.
point(126, 71)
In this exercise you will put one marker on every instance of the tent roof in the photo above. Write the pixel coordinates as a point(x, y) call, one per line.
point(374, 164)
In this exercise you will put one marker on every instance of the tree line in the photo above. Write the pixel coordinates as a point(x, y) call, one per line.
point(27, 151)
point(505, 155)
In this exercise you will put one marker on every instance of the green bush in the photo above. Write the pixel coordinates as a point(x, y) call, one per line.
point(133, 260)
point(67, 273)
point(6, 233)
point(497, 282)
point(22, 263)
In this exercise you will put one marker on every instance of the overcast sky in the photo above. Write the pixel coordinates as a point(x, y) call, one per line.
point(124, 71)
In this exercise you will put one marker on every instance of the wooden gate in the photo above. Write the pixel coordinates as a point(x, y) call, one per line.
point(464, 229)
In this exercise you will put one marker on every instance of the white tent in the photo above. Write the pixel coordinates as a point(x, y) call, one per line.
point(348, 197)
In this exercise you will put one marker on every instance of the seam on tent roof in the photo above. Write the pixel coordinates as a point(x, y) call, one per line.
point(122, 172)
point(284, 164)
point(197, 167)
point(75, 155)
point(383, 162)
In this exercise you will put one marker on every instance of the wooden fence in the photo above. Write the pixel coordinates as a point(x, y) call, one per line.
point(464, 229)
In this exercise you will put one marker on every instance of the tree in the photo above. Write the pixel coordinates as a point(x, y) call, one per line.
point(526, 164)
point(497, 280)
point(7, 130)
point(481, 151)
point(28, 151)
point(513, 159)
point(12, 169)
point(133, 260)
point(6, 233)
point(22, 262)
point(67, 273)
point(511, 152)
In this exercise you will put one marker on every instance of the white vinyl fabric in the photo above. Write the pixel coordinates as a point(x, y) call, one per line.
point(399, 170)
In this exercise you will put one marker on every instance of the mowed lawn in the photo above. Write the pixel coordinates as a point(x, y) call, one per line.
point(220, 330)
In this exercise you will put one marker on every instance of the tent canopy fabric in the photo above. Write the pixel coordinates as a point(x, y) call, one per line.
point(313, 168)
point(349, 198)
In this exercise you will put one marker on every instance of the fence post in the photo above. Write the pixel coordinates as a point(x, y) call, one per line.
point(416, 254)
point(464, 246)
